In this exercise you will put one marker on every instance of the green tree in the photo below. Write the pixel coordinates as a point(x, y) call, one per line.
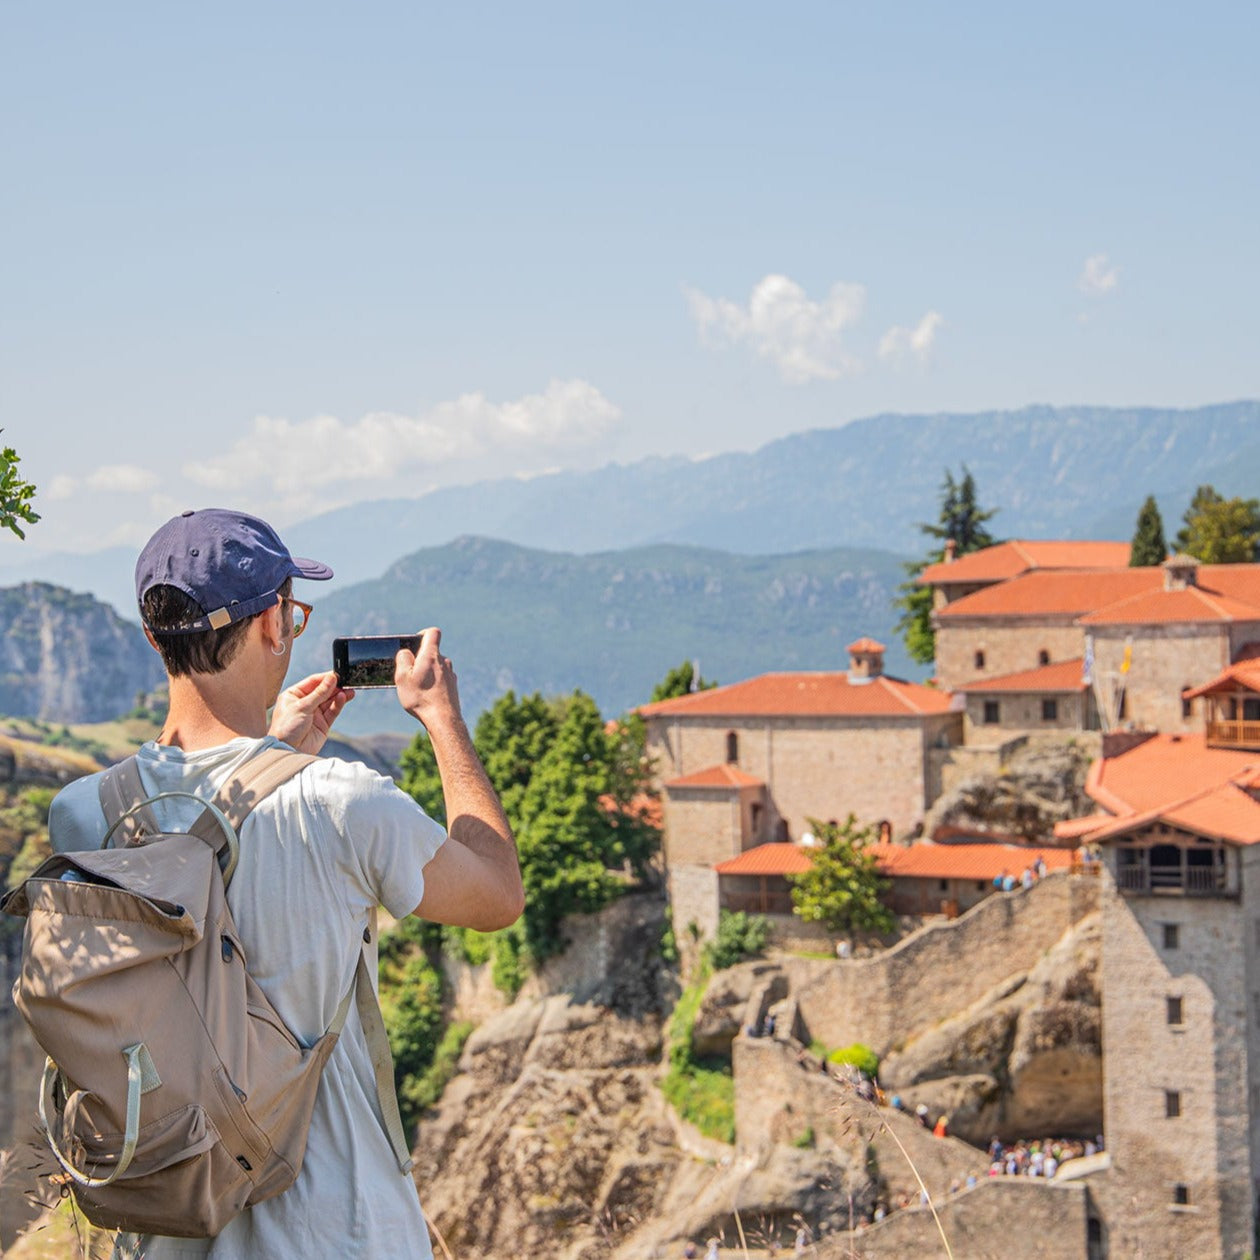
point(843, 887)
point(1220, 531)
point(15, 494)
point(1148, 545)
point(961, 521)
point(679, 682)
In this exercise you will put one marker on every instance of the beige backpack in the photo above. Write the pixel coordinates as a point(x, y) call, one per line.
point(174, 1096)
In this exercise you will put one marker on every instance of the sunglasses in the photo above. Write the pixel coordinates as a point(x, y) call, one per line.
point(301, 614)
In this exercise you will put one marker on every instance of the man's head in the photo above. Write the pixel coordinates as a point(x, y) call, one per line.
point(204, 576)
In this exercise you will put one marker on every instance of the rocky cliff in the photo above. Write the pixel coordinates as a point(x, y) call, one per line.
point(66, 657)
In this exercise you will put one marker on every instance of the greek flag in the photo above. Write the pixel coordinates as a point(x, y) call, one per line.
point(1087, 670)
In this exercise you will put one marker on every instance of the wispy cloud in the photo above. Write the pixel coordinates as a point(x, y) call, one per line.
point(917, 342)
point(296, 461)
point(1098, 277)
point(804, 339)
point(108, 479)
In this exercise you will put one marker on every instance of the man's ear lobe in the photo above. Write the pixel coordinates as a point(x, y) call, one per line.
point(148, 634)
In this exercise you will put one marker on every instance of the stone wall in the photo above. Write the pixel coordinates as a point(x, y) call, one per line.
point(887, 999)
point(703, 826)
point(995, 1220)
point(1020, 711)
point(693, 898)
point(1202, 1058)
point(876, 768)
point(1009, 644)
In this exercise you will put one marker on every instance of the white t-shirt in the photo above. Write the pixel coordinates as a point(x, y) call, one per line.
point(317, 857)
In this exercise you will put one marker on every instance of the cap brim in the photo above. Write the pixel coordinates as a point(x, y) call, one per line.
point(311, 569)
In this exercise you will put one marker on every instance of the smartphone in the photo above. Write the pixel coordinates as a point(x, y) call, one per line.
point(369, 661)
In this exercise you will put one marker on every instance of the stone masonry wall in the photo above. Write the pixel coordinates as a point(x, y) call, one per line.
point(887, 999)
point(1020, 711)
point(1202, 1059)
point(817, 767)
point(702, 826)
point(1009, 645)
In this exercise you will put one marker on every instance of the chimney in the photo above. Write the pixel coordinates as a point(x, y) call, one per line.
point(1180, 573)
point(951, 551)
point(866, 660)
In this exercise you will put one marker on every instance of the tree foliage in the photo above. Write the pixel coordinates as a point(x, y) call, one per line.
point(961, 520)
point(682, 680)
point(1148, 546)
point(1216, 530)
point(15, 495)
point(843, 887)
point(568, 784)
point(739, 936)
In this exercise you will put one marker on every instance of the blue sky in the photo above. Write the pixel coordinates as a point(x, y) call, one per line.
point(285, 257)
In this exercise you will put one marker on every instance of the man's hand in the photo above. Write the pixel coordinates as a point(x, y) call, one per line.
point(426, 683)
point(305, 712)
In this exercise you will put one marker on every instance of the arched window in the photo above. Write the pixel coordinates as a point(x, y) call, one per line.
point(732, 748)
point(1187, 705)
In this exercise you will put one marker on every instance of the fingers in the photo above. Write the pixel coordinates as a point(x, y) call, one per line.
point(320, 684)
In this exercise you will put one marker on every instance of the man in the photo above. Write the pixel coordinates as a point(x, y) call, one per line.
point(317, 856)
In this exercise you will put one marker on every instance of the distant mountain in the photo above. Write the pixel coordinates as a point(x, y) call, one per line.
point(1052, 472)
point(611, 623)
point(65, 657)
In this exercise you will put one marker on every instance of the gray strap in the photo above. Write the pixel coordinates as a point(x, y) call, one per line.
point(121, 791)
point(382, 1058)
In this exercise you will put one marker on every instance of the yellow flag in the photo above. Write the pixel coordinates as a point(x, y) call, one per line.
point(1128, 658)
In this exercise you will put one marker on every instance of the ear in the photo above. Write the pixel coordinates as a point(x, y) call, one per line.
point(272, 623)
point(148, 634)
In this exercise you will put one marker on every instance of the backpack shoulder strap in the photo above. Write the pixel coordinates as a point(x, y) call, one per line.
point(256, 779)
point(121, 790)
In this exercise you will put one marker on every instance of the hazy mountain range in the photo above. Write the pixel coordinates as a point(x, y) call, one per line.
point(1068, 472)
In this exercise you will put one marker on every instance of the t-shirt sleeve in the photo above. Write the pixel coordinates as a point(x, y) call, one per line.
point(392, 838)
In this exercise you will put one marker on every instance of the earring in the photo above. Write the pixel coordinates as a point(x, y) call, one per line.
point(284, 647)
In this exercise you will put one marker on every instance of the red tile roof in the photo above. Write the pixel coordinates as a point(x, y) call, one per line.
point(866, 645)
point(1053, 593)
point(1222, 812)
point(726, 777)
point(806, 694)
point(1009, 559)
point(1189, 605)
point(1242, 675)
point(1059, 676)
point(1163, 770)
point(916, 861)
point(768, 859)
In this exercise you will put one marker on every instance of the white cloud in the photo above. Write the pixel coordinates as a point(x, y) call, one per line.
point(297, 461)
point(898, 342)
point(108, 479)
point(61, 487)
point(803, 338)
point(1098, 277)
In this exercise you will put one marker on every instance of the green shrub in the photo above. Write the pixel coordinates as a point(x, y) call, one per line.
point(701, 1091)
point(739, 936)
point(859, 1056)
point(804, 1140)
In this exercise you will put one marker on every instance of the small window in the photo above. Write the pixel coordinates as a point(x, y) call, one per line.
point(979, 660)
point(1172, 1104)
point(1172, 935)
point(992, 713)
point(942, 885)
point(981, 885)
point(1187, 705)
point(732, 747)
point(1049, 710)
point(1176, 1012)
point(1043, 657)
point(1181, 1195)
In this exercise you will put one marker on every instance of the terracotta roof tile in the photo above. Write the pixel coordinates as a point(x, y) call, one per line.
point(808, 694)
point(767, 859)
point(1222, 812)
point(726, 776)
point(866, 645)
point(1242, 674)
point(1054, 593)
point(1189, 605)
point(1009, 559)
point(1058, 676)
point(1165, 769)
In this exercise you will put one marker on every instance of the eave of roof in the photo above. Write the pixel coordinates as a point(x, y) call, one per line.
point(723, 778)
point(1065, 676)
point(1009, 559)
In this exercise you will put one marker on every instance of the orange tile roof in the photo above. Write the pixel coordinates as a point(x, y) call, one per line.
point(806, 694)
point(866, 645)
point(1189, 605)
point(964, 861)
point(768, 859)
point(916, 861)
point(1242, 674)
point(1221, 812)
point(1075, 828)
point(1166, 768)
point(726, 776)
point(1041, 593)
point(1058, 676)
point(1010, 559)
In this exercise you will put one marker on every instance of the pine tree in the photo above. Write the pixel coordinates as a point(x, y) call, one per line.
point(1148, 545)
point(962, 520)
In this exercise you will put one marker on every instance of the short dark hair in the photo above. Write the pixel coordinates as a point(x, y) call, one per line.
point(204, 651)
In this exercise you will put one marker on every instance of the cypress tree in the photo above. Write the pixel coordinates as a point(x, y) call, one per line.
point(1148, 545)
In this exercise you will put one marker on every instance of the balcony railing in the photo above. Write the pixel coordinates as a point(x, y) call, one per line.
point(1233, 734)
point(1196, 881)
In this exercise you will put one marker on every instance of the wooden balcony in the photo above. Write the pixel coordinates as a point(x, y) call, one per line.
point(1187, 881)
point(1231, 733)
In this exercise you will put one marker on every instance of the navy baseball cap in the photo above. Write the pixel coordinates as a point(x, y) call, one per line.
point(230, 564)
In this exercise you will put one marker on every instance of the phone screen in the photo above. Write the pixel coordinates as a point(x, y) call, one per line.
point(369, 661)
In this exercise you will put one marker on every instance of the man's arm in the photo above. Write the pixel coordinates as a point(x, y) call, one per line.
point(474, 880)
